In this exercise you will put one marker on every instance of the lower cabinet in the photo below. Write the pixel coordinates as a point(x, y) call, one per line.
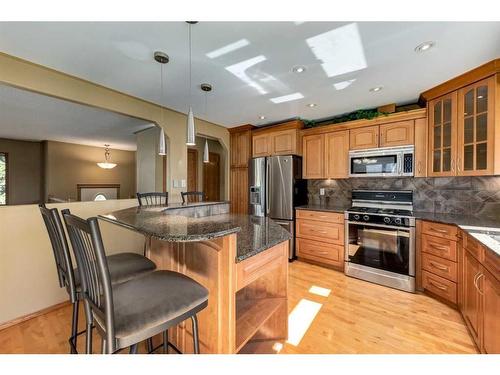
point(239, 190)
point(320, 237)
point(471, 304)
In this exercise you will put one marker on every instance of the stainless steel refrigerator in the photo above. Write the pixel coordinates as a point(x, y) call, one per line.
point(276, 188)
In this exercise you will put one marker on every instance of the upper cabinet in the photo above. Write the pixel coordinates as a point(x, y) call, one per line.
point(281, 139)
point(326, 155)
point(362, 138)
point(400, 133)
point(241, 146)
point(313, 163)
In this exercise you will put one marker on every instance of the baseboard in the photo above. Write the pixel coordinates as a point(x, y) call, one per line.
point(24, 318)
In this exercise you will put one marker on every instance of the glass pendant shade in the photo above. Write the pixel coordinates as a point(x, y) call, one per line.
point(162, 150)
point(206, 158)
point(190, 139)
point(107, 156)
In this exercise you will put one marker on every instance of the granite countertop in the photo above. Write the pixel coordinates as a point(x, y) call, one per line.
point(254, 234)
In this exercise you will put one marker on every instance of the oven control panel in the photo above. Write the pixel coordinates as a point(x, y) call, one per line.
point(395, 221)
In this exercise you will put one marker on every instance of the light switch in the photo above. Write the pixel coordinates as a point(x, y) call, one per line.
point(322, 191)
point(183, 183)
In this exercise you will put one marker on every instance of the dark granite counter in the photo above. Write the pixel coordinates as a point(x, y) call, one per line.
point(324, 208)
point(253, 234)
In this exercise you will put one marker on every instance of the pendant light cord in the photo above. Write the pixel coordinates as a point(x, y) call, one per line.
point(190, 62)
point(162, 96)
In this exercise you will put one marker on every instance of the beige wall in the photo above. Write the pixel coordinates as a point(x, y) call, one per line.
point(215, 147)
point(29, 76)
point(24, 177)
point(70, 164)
point(149, 164)
point(28, 277)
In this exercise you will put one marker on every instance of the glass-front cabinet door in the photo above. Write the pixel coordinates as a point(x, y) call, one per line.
point(476, 128)
point(442, 132)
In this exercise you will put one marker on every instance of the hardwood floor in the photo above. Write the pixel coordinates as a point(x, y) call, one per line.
point(355, 317)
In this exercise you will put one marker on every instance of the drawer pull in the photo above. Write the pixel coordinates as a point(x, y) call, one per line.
point(439, 230)
point(438, 266)
point(438, 247)
point(437, 285)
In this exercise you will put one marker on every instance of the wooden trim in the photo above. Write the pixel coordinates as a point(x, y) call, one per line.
point(465, 79)
point(395, 117)
point(294, 124)
point(35, 314)
point(241, 128)
point(6, 179)
point(97, 186)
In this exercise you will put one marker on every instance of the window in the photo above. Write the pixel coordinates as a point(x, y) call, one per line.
point(3, 178)
point(99, 197)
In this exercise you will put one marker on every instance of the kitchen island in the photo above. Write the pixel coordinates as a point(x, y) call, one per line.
point(241, 260)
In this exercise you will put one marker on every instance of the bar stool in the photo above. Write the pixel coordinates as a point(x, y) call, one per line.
point(152, 199)
point(188, 194)
point(128, 313)
point(122, 267)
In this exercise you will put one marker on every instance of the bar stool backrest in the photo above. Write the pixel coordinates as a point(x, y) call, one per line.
point(185, 195)
point(86, 239)
point(60, 248)
point(152, 199)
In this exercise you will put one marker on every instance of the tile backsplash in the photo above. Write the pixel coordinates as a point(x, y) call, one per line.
point(455, 195)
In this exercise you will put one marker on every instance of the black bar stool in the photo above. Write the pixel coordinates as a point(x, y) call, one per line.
point(152, 199)
point(122, 267)
point(195, 194)
point(128, 313)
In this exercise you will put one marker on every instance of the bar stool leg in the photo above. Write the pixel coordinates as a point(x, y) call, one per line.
point(149, 345)
point(103, 346)
point(165, 342)
point(74, 327)
point(133, 349)
point(88, 341)
point(194, 319)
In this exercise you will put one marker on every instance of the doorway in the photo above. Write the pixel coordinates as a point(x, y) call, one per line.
point(211, 177)
point(192, 179)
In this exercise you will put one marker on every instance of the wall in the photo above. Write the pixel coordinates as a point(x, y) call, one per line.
point(24, 178)
point(149, 164)
point(70, 164)
point(457, 195)
point(29, 76)
point(28, 277)
point(215, 147)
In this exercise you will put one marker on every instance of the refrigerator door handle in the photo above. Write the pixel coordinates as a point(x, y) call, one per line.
point(267, 187)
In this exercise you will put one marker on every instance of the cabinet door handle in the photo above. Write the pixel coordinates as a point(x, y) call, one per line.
point(458, 164)
point(475, 279)
point(453, 166)
point(437, 285)
point(438, 266)
point(477, 283)
point(419, 166)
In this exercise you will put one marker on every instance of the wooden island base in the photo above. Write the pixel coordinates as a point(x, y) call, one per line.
point(247, 300)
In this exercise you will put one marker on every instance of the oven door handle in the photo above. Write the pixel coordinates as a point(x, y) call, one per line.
point(406, 229)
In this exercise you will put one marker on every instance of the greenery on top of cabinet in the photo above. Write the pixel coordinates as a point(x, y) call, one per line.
point(360, 114)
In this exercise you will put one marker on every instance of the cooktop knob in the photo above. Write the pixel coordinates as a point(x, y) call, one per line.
point(356, 217)
point(397, 220)
point(387, 220)
point(366, 217)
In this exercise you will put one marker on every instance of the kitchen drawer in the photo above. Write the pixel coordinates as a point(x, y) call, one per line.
point(492, 263)
point(439, 266)
point(440, 230)
point(320, 231)
point(330, 217)
point(440, 286)
point(320, 252)
point(440, 247)
point(474, 247)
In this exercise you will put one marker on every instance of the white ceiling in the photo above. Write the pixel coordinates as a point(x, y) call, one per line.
point(33, 117)
point(119, 55)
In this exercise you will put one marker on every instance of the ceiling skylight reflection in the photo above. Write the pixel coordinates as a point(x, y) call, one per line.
point(228, 48)
point(287, 98)
point(344, 84)
point(340, 50)
point(239, 70)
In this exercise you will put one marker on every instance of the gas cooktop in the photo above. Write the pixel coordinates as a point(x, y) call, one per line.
point(381, 211)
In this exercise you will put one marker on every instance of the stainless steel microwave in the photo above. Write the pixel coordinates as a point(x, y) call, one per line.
point(382, 162)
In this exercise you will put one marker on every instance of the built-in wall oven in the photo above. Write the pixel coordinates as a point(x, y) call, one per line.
point(382, 162)
point(380, 239)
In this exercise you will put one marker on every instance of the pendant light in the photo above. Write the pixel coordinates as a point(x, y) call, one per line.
point(107, 157)
point(206, 88)
point(162, 58)
point(191, 131)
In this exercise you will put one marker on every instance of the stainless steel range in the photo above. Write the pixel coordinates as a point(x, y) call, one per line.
point(380, 238)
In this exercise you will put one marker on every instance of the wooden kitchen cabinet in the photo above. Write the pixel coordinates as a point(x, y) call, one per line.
point(490, 287)
point(313, 163)
point(397, 134)
point(240, 154)
point(471, 302)
point(261, 145)
point(337, 154)
point(476, 128)
point(420, 139)
point(239, 190)
point(241, 145)
point(363, 138)
point(284, 142)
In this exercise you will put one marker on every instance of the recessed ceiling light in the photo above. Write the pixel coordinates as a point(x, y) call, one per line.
point(262, 117)
point(299, 69)
point(424, 46)
point(312, 105)
point(376, 89)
